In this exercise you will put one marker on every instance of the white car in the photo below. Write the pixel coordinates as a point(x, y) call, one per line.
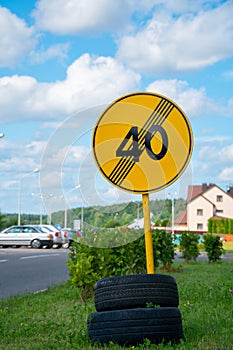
point(57, 236)
point(25, 235)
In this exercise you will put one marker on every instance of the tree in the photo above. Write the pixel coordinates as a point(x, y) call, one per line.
point(213, 247)
point(2, 219)
point(189, 246)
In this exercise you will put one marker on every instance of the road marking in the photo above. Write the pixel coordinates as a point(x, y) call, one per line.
point(2, 261)
point(37, 256)
point(41, 291)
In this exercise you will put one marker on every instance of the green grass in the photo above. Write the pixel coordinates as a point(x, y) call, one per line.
point(56, 319)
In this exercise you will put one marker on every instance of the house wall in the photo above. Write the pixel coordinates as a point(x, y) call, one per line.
point(223, 208)
point(199, 222)
point(180, 227)
point(212, 202)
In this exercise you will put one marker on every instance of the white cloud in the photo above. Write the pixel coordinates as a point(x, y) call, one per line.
point(17, 39)
point(220, 139)
point(226, 174)
point(214, 162)
point(229, 109)
point(77, 154)
point(168, 43)
point(216, 154)
point(54, 51)
point(194, 102)
point(22, 157)
point(228, 74)
point(90, 81)
point(34, 148)
point(88, 16)
point(83, 16)
point(226, 153)
point(182, 6)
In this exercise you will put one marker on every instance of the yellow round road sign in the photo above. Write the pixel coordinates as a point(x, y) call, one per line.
point(142, 142)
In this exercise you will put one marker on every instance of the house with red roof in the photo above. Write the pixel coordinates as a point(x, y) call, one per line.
point(203, 202)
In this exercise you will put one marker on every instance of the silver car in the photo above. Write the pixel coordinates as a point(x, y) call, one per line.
point(25, 235)
point(57, 236)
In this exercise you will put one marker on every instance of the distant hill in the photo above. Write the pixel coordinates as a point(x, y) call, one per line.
point(104, 216)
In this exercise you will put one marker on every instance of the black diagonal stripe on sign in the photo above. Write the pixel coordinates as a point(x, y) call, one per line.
point(158, 121)
point(117, 171)
point(123, 170)
point(127, 164)
point(157, 117)
point(143, 145)
point(130, 165)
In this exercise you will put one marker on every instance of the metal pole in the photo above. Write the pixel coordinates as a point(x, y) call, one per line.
point(50, 218)
point(65, 218)
point(19, 193)
point(41, 209)
point(82, 217)
point(173, 215)
point(148, 234)
point(19, 204)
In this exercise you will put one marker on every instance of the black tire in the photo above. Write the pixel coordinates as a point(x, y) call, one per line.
point(36, 244)
point(131, 327)
point(49, 246)
point(131, 291)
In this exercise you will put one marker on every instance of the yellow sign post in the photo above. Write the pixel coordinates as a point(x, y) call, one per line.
point(142, 143)
point(148, 234)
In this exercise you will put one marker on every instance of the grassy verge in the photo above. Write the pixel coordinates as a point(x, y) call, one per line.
point(56, 319)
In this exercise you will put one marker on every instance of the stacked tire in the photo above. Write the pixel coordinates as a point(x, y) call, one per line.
point(132, 308)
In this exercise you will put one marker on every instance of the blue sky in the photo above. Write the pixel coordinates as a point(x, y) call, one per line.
point(62, 62)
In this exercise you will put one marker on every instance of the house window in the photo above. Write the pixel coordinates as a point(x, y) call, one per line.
point(199, 212)
point(219, 198)
point(218, 211)
point(199, 226)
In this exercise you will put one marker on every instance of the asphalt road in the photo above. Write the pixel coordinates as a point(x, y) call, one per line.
point(203, 256)
point(26, 270)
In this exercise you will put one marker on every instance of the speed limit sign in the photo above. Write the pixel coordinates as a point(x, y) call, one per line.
point(142, 142)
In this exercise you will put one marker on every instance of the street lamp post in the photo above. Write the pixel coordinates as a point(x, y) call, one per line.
point(19, 192)
point(173, 207)
point(172, 215)
point(41, 205)
point(81, 226)
point(66, 207)
point(52, 197)
point(138, 204)
point(81, 222)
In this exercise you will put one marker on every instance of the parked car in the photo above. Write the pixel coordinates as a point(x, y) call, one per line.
point(25, 235)
point(65, 238)
point(57, 237)
point(70, 236)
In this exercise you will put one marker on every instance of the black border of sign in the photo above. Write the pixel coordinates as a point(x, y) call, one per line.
point(181, 171)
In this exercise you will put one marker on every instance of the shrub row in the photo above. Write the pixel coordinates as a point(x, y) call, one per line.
point(87, 263)
point(220, 226)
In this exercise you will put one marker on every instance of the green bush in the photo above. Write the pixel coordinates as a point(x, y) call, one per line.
point(88, 264)
point(189, 246)
point(213, 247)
